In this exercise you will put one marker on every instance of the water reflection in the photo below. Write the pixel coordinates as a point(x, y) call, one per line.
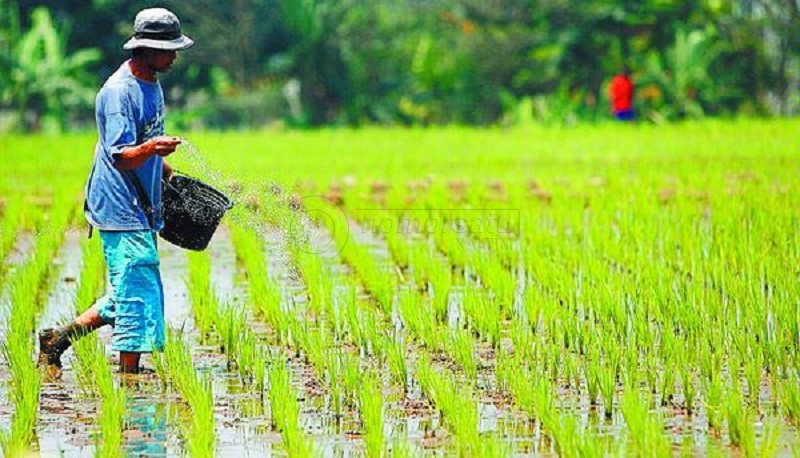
point(146, 428)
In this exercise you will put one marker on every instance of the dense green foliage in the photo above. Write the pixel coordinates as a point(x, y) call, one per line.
point(309, 62)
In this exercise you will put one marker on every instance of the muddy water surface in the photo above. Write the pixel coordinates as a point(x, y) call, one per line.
point(66, 418)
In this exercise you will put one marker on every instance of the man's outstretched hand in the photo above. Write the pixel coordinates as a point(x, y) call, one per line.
point(133, 157)
point(163, 146)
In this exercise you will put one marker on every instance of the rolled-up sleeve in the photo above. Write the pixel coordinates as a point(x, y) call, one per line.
point(119, 124)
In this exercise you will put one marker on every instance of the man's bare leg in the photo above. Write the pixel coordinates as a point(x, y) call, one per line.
point(129, 362)
point(89, 320)
point(54, 342)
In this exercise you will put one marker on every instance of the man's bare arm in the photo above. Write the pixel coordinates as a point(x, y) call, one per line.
point(134, 156)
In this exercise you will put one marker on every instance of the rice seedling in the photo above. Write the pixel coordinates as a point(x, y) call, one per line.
point(573, 441)
point(461, 345)
point(458, 407)
point(396, 361)
point(9, 225)
point(174, 366)
point(790, 398)
point(371, 408)
point(753, 367)
point(401, 449)
point(441, 281)
point(645, 429)
point(25, 292)
point(740, 423)
point(417, 316)
point(608, 386)
point(713, 400)
point(285, 411)
point(201, 291)
point(96, 377)
point(483, 314)
point(265, 294)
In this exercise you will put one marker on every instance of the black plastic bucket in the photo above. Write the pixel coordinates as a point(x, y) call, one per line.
point(192, 212)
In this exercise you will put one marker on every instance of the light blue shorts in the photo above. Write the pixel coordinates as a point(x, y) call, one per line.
point(134, 304)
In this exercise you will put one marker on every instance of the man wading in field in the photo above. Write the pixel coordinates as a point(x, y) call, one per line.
point(126, 174)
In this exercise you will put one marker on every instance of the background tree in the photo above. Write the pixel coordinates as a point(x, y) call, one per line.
point(313, 62)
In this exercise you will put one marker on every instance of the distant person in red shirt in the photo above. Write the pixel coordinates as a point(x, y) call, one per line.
point(621, 94)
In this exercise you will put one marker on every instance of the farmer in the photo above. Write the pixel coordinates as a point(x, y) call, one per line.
point(123, 196)
point(620, 91)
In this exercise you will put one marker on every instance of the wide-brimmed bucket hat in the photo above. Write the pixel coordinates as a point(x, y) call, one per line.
point(158, 28)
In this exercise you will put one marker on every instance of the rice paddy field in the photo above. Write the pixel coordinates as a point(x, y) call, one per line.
point(592, 291)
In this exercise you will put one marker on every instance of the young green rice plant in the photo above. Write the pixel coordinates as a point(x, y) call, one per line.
point(713, 397)
point(335, 383)
point(608, 385)
point(286, 411)
point(396, 361)
point(318, 282)
point(371, 408)
point(573, 441)
point(689, 389)
point(374, 333)
point(483, 314)
point(420, 261)
point(753, 367)
point(461, 345)
point(24, 299)
point(24, 385)
point(351, 377)
point(591, 372)
point(450, 243)
point(511, 376)
point(441, 281)
point(740, 422)
point(495, 278)
point(770, 438)
point(315, 342)
point(456, 404)
point(417, 315)
point(9, 226)
point(396, 241)
point(230, 323)
point(667, 382)
point(90, 286)
point(789, 392)
point(645, 429)
point(265, 294)
point(250, 359)
point(401, 449)
point(204, 300)
point(175, 367)
point(348, 306)
point(342, 374)
point(96, 379)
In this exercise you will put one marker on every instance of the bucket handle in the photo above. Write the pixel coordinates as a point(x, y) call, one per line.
point(174, 171)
